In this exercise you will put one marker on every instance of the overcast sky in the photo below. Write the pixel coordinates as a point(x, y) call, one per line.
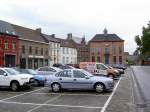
point(80, 17)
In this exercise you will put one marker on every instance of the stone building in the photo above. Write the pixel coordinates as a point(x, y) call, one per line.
point(107, 48)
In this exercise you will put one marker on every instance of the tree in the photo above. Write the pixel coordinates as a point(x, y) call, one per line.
point(143, 43)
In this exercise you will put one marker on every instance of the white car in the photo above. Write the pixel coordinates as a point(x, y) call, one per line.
point(13, 79)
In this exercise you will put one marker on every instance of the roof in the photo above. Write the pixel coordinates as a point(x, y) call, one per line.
point(29, 34)
point(106, 38)
point(77, 39)
point(67, 43)
point(50, 38)
point(6, 28)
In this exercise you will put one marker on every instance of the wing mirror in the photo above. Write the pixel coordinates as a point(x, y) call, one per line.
point(5, 74)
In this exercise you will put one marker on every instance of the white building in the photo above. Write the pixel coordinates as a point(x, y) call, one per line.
point(68, 51)
point(54, 48)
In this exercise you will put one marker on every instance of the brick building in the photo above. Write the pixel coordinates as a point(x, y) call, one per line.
point(33, 48)
point(107, 48)
point(9, 45)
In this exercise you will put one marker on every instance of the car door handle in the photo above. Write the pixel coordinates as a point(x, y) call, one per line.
point(60, 78)
point(74, 79)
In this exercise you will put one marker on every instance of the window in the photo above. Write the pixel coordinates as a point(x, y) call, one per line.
point(63, 60)
point(67, 60)
point(0, 43)
point(63, 50)
point(2, 72)
point(106, 50)
point(78, 74)
point(120, 59)
point(114, 49)
point(98, 59)
point(36, 50)
point(6, 44)
point(42, 69)
point(101, 67)
point(93, 58)
point(67, 50)
point(41, 51)
point(13, 45)
point(23, 49)
point(114, 59)
point(50, 69)
point(66, 73)
point(120, 50)
point(46, 52)
point(30, 49)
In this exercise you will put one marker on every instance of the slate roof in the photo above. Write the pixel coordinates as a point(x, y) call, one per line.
point(67, 43)
point(6, 28)
point(106, 38)
point(30, 34)
point(50, 38)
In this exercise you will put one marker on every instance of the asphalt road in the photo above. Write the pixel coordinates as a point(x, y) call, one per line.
point(142, 76)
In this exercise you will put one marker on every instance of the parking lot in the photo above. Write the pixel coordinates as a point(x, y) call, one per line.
point(42, 99)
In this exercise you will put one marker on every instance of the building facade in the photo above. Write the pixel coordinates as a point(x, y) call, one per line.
point(82, 49)
point(54, 48)
point(33, 48)
point(9, 45)
point(107, 48)
point(68, 51)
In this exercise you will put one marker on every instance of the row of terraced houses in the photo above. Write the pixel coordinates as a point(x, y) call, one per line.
point(30, 48)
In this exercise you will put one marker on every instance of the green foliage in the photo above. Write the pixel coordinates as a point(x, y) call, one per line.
point(143, 42)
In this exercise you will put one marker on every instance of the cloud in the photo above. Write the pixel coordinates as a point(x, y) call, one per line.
point(81, 17)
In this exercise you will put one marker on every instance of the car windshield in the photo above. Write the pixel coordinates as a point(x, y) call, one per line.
point(32, 71)
point(87, 73)
point(12, 71)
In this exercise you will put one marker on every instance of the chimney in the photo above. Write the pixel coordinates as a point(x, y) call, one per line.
point(69, 36)
point(39, 30)
point(53, 35)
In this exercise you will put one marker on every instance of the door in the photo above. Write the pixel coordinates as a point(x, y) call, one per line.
point(4, 79)
point(81, 80)
point(10, 60)
point(65, 79)
point(101, 69)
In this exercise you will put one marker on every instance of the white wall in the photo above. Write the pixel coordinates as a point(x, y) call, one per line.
point(68, 55)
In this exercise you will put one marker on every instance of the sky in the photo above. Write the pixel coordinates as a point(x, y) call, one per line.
point(80, 17)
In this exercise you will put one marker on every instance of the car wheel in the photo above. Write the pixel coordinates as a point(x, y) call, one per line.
point(36, 82)
point(99, 87)
point(56, 87)
point(14, 86)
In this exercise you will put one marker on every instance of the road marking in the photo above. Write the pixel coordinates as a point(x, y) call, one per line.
point(35, 104)
point(70, 94)
point(22, 94)
point(53, 99)
point(110, 97)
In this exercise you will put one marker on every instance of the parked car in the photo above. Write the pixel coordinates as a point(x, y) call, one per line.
point(119, 66)
point(99, 69)
point(9, 77)
point(39, 80)
point(78, 79)
point(121, 71)
point(46, 71)
point(62, 66)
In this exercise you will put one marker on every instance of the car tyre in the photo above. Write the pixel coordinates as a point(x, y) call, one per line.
point(99, 87)
point(14, 86)
point(56, 87)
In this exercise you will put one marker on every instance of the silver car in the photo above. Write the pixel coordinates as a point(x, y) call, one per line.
point(78, 79)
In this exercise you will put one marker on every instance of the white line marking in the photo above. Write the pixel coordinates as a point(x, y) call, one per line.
point(53, 99)
point(35, 104)
point(110, 97)
point(22, 94)
point(71, 94)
